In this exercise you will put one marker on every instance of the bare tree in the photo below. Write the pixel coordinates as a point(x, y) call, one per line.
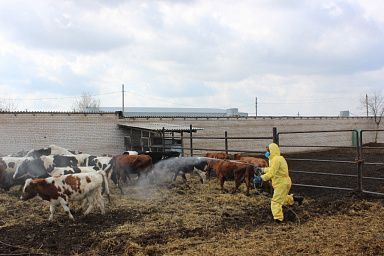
point(7, 105)
point(86, 103)
point(375, 106)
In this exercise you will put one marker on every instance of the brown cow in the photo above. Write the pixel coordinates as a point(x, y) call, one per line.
point(256, 162)
point(259, 162)
point(219, 155)
point(123, 165)
point(227, 170)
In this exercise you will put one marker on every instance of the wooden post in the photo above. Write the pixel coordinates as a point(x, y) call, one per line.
point(359, 160)
point(226, 141)
point(141, 140)
point(163, 138)
point(190, 140)
point(173, 139)
point(275, 136)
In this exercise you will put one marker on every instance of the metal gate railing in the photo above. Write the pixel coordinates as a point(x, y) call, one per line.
point(365, 181)
point(223, 146)
point(372, 158)
point(352, 155)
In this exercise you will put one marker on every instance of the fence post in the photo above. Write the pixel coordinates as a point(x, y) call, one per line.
point(182, 143)
point(163, 138)
point(190, 140)
point(275, 136)
point(359, 161)
point(226, 141)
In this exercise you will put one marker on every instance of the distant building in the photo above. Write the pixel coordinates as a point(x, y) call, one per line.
point(175, 112)
point(344, 113)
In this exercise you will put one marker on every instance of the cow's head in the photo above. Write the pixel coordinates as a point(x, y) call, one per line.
point(3, 165)
point(236, 156)
point(92, 160)
point(29, 190)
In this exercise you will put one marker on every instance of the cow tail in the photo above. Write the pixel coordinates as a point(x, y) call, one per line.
point(105, 185)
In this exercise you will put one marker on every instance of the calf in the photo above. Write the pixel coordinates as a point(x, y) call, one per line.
point(85, 187)
point(227, 170)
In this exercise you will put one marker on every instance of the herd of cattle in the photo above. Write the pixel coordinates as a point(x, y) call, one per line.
point(58, 175)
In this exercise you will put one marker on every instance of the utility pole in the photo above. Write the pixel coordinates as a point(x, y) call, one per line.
point(122, 94)
point(256, 106)
point(366, 102)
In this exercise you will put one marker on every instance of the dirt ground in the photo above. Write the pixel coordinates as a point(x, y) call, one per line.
point(175, 219)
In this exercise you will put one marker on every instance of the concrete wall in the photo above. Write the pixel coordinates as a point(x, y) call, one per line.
point(99, 134)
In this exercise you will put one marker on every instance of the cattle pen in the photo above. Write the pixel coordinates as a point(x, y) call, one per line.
point(353, 160)
point(342, 183)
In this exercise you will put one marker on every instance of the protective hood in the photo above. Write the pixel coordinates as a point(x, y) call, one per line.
point(274, 150)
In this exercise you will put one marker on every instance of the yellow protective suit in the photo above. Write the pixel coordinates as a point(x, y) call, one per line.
point(281, 182)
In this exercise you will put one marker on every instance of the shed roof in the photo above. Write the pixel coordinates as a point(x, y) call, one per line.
point(160, 127)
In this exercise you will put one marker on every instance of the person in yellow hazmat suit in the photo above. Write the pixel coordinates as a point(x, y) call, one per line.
point(277, 172)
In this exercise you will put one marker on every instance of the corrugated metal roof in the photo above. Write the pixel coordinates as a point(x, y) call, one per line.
point(174, 112)
point(160, 127)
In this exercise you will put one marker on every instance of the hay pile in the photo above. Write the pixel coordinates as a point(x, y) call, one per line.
point(194, 220)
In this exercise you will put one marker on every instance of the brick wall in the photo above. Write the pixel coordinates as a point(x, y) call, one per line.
point(98, 133)
point(90, 133)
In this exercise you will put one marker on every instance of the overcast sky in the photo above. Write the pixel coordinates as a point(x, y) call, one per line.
point(297, 56)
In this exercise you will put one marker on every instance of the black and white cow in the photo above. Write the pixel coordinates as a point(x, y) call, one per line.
point(50, 150)
point(57, 171)
point(99, 162)
point(8, 169)
point(34, 168)
point(6, 177)
point(43, 167)
point(12, 162)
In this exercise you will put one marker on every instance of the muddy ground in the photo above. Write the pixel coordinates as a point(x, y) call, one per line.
point(175, 219)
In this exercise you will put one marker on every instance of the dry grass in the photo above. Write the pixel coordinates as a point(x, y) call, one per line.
point(194, 220)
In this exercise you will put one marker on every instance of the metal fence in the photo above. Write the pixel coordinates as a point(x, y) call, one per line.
point(223, 143)
point(371, 143)
point(345, 169)
point(350, 163)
